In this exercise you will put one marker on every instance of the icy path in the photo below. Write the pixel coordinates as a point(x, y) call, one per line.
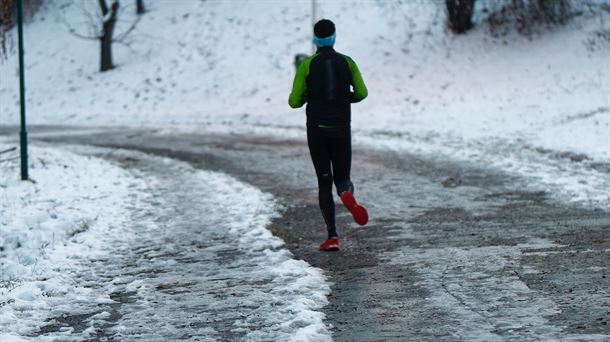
point(452, 252)
point(196, 264)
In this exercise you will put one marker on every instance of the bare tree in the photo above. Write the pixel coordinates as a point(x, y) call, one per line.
point(460, 14)
point(6, 22)
point(528, 16)
point(99, 22)
point(8, 19)
point(140, 9)
point(109, 17)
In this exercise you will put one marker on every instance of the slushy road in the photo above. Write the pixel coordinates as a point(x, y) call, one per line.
point(452, 251)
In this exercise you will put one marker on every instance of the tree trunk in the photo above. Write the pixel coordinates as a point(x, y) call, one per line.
point(140, 9)
point(460, 14)
point(106, 39)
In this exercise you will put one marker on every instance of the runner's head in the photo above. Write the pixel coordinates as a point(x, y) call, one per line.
point(324, 33)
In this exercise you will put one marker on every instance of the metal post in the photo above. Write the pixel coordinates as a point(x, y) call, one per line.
point(23, 134)
point(313, 22)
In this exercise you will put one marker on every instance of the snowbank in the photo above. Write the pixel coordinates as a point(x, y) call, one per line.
point(48, 223)
point(85, 230)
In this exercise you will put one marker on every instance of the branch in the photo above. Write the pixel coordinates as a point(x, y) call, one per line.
point(8, 150)
point(111, 16)
point(78, 35)
point(7, 159)
point(92, 24)
point(103, 6)
point(93, 20)
point(131, 28)
point(127, 45)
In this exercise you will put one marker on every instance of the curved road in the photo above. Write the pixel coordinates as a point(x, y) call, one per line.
point(452, 251)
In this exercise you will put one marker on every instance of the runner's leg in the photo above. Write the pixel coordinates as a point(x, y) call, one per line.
point(341, 156)
point(319, 149)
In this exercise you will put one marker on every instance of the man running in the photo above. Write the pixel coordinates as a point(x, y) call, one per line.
point(323, 81)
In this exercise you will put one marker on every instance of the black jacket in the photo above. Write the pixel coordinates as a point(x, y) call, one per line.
point(323, 81)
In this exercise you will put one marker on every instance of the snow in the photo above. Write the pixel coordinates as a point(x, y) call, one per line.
point(88, 230)
point(240, 274)
point(67, 195)
point(477, 287)
point(227, 67)
point(62, 214)
point(537, 108)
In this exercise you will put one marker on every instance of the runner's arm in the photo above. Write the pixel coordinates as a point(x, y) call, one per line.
point(299, 87)
point(360, 91)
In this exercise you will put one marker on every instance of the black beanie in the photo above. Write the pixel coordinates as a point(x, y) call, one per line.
point(323, 28)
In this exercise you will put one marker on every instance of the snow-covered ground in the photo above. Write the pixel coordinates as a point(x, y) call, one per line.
point(47, 224)
point(86, 233)
point(537, 106)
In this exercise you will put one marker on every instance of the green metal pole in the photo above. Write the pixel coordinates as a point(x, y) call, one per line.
point(23, 134)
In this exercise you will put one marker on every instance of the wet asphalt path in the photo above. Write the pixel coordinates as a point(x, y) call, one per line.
point(452, 251)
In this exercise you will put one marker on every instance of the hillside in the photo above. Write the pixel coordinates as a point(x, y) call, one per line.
point(535, 106)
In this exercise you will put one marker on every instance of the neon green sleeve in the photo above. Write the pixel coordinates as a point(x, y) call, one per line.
point(298, 94)
point(360, 91)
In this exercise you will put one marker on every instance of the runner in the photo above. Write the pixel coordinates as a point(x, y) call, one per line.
point(323, 81)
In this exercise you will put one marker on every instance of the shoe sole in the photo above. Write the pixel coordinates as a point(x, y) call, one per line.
point(334, 246)
point(358, 212)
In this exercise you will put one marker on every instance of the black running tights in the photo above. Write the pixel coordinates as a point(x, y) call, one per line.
point(332, 158)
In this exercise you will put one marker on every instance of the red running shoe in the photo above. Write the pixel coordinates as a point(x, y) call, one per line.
point(331, 244)
point(358, 212)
